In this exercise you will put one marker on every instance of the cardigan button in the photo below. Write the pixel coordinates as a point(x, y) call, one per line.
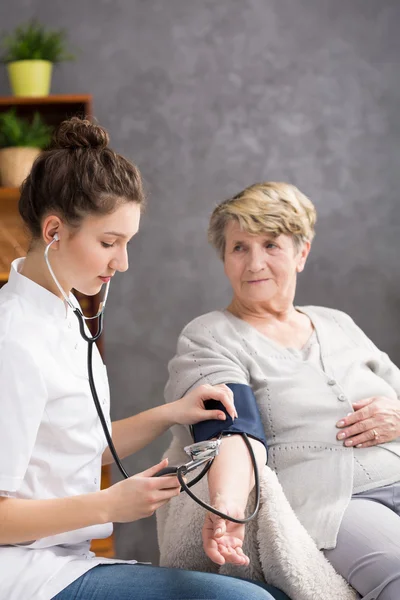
point(341, 397)
point(331, 382)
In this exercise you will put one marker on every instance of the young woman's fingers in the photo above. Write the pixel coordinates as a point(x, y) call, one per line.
point(151, 471)
point(165, 495)
point(165, 483)
point(223, 394)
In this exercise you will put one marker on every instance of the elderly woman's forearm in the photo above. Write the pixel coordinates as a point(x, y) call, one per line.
point(231, 476)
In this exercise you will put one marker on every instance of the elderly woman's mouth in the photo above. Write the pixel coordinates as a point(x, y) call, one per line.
point(254, 281)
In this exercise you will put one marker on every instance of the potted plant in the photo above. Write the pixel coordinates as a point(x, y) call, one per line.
point(30, 52)
point(21, 142)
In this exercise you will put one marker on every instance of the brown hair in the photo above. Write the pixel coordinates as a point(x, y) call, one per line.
point(77, 176)
point(271, 207)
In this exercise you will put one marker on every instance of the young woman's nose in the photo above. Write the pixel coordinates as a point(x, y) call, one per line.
point(120, 261)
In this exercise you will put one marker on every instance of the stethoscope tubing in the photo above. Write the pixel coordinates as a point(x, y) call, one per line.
point(113, 450)
point(68, 301)
point(181, 471)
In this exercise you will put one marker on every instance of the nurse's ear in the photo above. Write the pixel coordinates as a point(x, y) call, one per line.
point(51, 230)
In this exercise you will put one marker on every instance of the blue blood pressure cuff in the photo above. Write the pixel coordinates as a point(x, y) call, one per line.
point(249, 420)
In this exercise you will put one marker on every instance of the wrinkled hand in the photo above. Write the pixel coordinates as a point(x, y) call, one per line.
point(375, 420)
point(223, 540)
point(190, 409)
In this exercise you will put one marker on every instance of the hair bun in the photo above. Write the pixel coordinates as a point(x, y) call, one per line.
point(80, 133)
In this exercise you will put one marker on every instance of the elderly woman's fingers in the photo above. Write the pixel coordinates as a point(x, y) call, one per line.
point(357, 416)
point(212, 550)
point(374, 439)
point(377, 406)
point(219, 525)
point(370, 437)
point(359, 428)
point(376, 422)
point(210, 543)
point(232, 555)
point(372, 434)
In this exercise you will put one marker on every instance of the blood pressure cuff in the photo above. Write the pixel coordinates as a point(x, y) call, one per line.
point(249, 420)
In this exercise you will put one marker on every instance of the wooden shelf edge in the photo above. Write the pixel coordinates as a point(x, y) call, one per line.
point(51, 99)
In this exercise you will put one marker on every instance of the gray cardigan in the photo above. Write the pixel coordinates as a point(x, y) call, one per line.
point(299, 402)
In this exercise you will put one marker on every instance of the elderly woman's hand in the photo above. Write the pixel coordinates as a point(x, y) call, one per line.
point(223, 540)
point(191, 409)
point(375, 420)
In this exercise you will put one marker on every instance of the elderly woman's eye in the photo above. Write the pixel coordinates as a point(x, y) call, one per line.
point(271, 245)
point(237, 248)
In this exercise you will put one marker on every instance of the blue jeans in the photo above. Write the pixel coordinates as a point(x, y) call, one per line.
point(144, 582)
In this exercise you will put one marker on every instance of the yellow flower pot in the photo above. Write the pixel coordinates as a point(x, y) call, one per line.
point(30, 77)
point(15, 165)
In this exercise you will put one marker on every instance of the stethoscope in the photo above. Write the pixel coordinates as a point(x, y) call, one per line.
point(200, 453)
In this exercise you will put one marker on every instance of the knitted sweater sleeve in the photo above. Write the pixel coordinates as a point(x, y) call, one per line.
point(205, 355)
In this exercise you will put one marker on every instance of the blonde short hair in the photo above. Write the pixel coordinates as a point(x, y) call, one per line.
point(270, 207)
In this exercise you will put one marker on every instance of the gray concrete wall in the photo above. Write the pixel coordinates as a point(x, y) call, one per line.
point(207, 97)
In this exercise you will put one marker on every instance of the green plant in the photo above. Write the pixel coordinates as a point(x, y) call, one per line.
point(15, 131)
point(33, 41)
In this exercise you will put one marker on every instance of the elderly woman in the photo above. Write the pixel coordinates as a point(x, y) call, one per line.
point(327, 396)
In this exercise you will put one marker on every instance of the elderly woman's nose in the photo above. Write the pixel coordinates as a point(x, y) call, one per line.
point(256, 259)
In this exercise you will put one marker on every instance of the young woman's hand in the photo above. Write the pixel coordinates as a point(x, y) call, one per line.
point(140, 495)
point(190, 409)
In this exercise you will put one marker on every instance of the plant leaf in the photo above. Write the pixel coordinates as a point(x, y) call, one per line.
point(33, 41)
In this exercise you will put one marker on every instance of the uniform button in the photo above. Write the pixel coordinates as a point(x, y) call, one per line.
point(69, 325)
point(341, 397)
point(95, 480)
point(331, 382)
point(76, 346)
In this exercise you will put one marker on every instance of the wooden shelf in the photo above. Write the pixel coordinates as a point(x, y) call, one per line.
point(13, 238)
point(104, 547)
point(7, 193)
point(52, 109)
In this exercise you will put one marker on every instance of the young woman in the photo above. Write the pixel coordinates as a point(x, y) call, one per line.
point(81, 203)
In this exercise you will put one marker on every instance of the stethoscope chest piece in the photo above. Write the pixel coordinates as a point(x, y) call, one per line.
point(200, 453)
